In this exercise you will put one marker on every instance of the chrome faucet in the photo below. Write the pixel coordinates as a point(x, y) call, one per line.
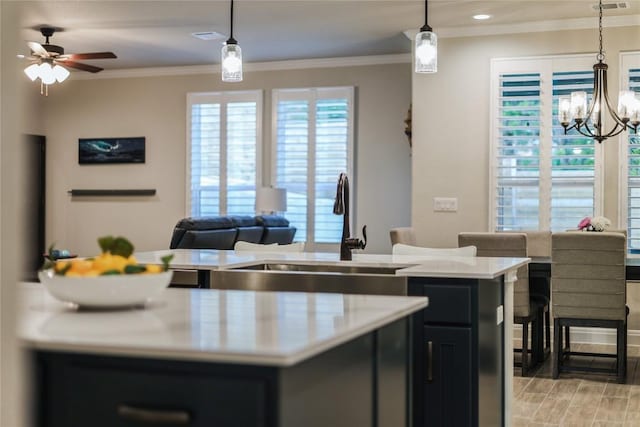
point(341, 207)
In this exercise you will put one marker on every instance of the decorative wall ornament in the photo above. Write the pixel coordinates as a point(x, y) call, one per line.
point(407, 125)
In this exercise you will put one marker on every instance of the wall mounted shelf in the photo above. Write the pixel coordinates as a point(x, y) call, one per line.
point(112, 192)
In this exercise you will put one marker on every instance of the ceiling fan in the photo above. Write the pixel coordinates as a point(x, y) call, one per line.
point(49, 61)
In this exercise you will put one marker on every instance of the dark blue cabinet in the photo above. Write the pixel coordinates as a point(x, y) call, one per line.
point(363, 382)
point(458, 353)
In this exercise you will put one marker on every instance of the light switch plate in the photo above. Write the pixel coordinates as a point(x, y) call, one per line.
point(445, 204)
point(499, 314)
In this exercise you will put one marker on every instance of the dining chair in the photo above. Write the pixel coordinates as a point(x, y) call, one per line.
point(588, 289)
point(406, 235)
point(402, 249)
point(539, 245)
point(525, 310)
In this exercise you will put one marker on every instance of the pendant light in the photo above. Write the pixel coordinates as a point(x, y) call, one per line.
point(590, 122)
point(231, 57)
point(426, 47)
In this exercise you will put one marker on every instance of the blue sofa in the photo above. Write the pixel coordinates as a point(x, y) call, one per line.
point(222, 232)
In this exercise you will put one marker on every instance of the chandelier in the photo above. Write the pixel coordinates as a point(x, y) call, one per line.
point(590, 121)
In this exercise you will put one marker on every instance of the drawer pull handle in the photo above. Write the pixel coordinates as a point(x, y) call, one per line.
point(153, 416)
point(430, 361)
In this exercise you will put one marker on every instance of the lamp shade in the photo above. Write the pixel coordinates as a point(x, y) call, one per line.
point(231, 63)
point(269, 199)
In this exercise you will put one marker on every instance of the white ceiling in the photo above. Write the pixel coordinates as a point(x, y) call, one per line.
point(158, 33)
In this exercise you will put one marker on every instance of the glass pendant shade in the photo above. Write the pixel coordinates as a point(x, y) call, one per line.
point(626, 101)
point(426, 52)
point(60, 73)
point(46, 74)
point(231, 63)
point(32, 71)
point(564, 109)
point(579, 105)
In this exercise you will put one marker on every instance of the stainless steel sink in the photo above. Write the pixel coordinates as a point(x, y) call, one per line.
point(297, 277)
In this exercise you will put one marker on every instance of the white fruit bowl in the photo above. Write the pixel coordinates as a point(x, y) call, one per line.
point(105, 291)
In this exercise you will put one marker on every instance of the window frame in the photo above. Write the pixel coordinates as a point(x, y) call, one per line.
point(545, 66)
point(312, 94)
point(223, 98)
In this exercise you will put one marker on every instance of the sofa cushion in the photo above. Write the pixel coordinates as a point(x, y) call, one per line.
point(208, 239)
point(272, 221)
point(280, 235)
point(243, 221)
point(206, 223)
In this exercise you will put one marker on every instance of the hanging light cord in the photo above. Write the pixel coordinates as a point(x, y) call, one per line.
point(231, 39)
point(600, 24)
point(426, 26)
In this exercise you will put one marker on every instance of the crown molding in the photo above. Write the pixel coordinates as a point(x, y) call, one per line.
point(531, 27)
point(210, 69)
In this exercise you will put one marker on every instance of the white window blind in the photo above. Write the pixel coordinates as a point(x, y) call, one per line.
point(630, 156)
point(313, 144)
point(572, 159)
point(541, 178)
point(224, 136)
point(517, 157)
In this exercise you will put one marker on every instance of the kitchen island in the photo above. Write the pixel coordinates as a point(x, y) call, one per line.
point(462, 343)
point(223, 358)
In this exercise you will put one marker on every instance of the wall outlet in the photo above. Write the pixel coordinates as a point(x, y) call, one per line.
point(445, 204)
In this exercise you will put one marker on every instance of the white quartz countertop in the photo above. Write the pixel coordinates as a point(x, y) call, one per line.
point(409, 265)
point(258, 328)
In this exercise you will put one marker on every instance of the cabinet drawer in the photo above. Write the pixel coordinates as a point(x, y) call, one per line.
point(91, 396)
point(447, 304)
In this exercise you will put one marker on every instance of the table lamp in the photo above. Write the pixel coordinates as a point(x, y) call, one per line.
point(271, 200)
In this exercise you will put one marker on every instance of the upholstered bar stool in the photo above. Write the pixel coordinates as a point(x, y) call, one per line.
point(588, 289)
point(525, 311)
point(405, 235)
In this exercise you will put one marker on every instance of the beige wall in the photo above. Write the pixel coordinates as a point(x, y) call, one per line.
point(451, 125)
point(155, 107)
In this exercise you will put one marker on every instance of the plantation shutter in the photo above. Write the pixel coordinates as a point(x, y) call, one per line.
point(241, 157)
point(633, 171)
point(314, 141)
point(572, 159)
point(518, 152)
point(542, 179)
point(224, 152)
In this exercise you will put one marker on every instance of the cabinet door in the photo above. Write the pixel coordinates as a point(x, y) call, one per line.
point(447, 376)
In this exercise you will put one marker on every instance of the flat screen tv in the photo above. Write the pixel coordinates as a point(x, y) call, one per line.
point(93, 151)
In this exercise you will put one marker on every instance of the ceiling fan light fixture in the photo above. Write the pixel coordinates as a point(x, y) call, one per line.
point(60, 73)
point(426, 47)
point(231, 55)
point(46, 73)
point(32, 71)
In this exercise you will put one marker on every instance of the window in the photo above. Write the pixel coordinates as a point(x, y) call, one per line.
point(541, 178)
point(224, 146)
point(312, 145)
point(630, 159)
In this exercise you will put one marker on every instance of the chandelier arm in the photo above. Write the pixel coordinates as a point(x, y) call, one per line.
point(584, 130)
point(613, 113)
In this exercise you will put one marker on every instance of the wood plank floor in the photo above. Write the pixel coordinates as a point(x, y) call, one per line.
point(579, 399)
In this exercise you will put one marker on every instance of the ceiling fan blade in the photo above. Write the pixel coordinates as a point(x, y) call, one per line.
point(92, 55)
point(81, 66)
point(38, 49)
